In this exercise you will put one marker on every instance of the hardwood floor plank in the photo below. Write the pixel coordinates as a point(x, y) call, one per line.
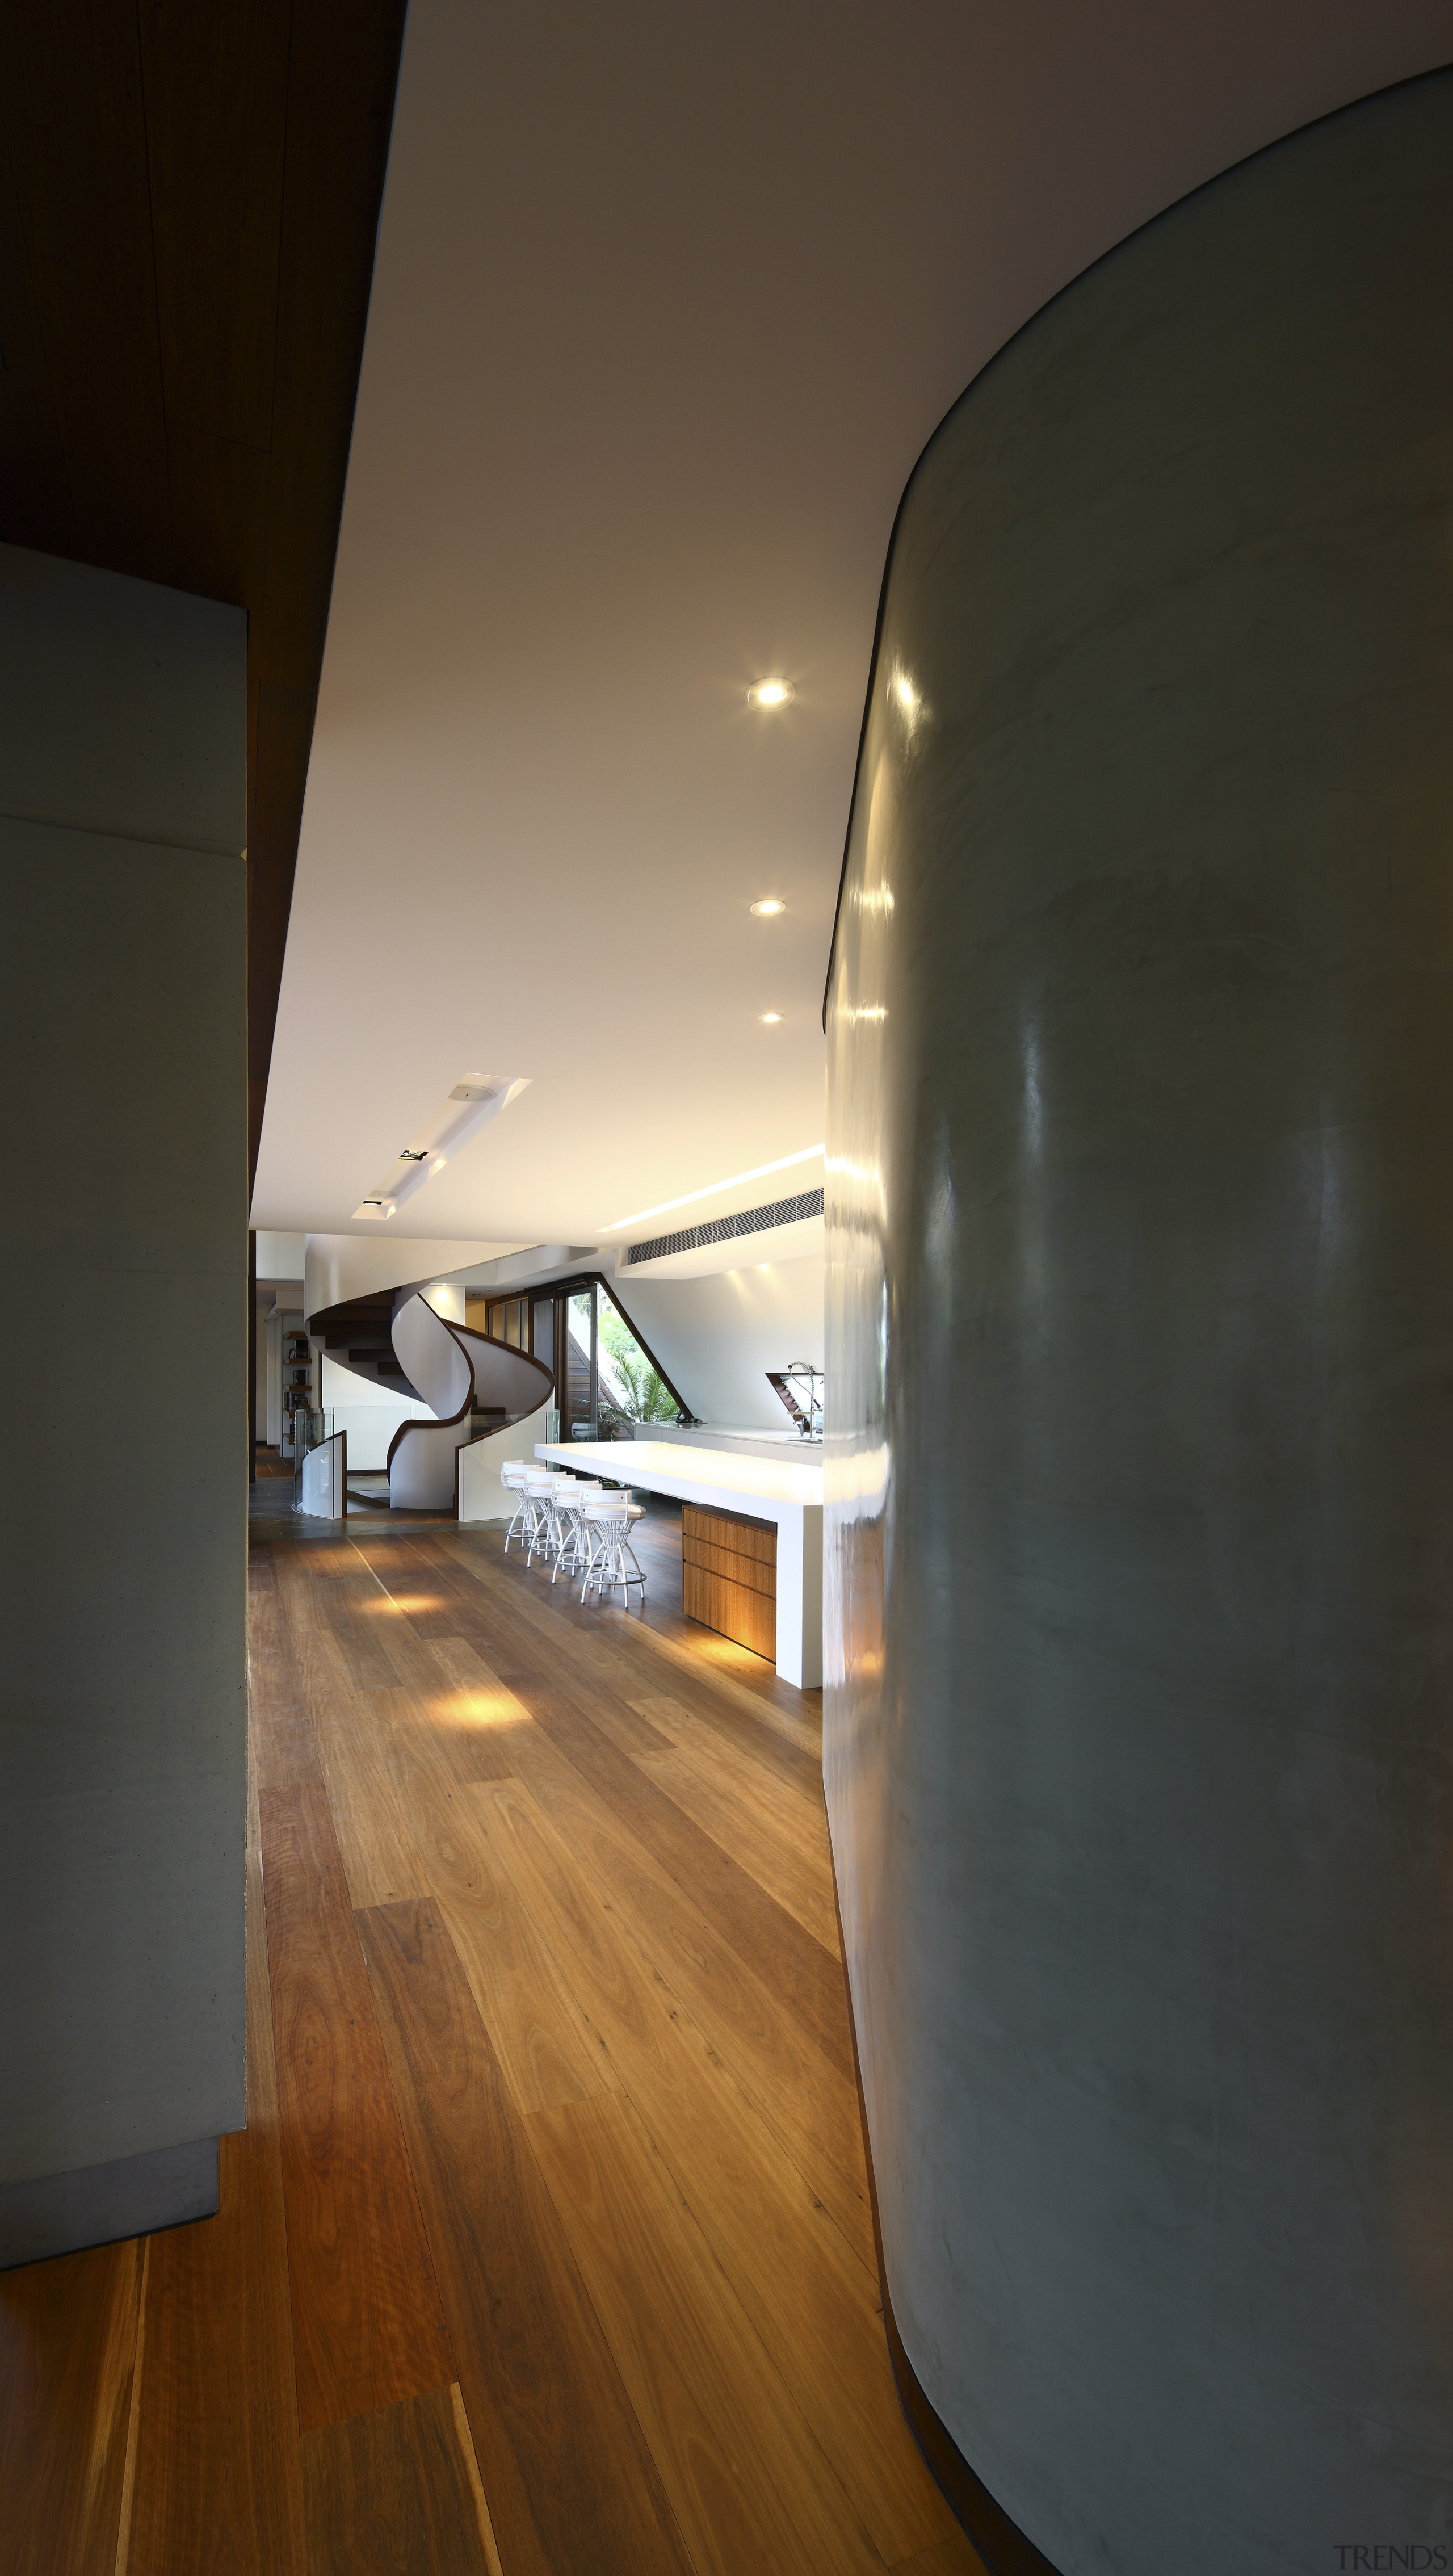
point(634, 1657)
point(812, 2111)
point(367, 2326)
point(472, 1710)
point(397, 1565)
point(806, 1975)
point(68, 2331)
point(811, 2297)
point(280, 1729)
point(749, 2484)
point(628, 1728)
point(750, 1753)
point(570, 2481)
point(399, 2344)
point(544, 2042)
point(338, 1590)
point(786, 1855)
point(218, 2469)
point(658, 1541)
point(390, 2492)
point(482, 2513)
point(400, 1631)
point(379, 1858)
point(780, 1797)
point(429, 1728)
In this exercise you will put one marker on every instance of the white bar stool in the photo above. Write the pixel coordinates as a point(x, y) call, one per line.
point(545, 1537)
point(512, 1475)
point(574, 1547)
point(612, 1557)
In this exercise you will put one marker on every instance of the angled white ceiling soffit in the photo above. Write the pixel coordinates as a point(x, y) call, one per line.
point(667, 302)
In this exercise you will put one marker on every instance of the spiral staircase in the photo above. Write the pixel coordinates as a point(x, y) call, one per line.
point(474, 1386)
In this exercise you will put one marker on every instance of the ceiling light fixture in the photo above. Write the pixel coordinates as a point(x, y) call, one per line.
point(470, 1106)
point(768, 905)
point(770, 1019)
point(713, 1189)
point(770, 693)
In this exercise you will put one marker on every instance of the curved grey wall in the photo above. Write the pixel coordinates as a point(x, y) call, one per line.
point(1140, 1370)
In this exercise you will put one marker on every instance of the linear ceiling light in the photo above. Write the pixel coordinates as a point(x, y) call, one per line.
point(471, 1104)
point(758, 1172)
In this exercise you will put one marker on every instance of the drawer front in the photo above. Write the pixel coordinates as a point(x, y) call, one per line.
point(757, 1539)
point(746, 1570)
point(748, 1618)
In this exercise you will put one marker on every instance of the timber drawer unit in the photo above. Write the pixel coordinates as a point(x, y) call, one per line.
point(729, 1575)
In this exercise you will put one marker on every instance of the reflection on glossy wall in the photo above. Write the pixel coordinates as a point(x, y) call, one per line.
point(1140, 1384)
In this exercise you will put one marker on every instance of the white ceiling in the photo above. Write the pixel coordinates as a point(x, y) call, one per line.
point(667, 301)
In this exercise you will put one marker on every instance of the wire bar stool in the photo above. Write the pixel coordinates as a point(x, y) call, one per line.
point(574, 1550)
point(545, 1538)
point(612, 1558)
point(512, 1475)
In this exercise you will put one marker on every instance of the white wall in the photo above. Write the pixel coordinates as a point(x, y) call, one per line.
point(338, 1266)
point(481, 1495)
point(280, 1256)
point(717, 1337)
point(368, 1412)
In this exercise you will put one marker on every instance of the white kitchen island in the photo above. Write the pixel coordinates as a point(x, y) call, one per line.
point(788, 1494)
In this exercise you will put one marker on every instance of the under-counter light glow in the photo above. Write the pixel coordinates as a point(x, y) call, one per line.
point(769, 905)
point(733, 1181)
point(770, 693)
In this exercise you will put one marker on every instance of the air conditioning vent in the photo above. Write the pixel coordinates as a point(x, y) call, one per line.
point(748, 1221)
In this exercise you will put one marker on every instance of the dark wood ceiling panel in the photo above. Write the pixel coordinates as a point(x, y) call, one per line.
point(75, 130)
point(215, 79)
point(188, 213)
point(37, 498)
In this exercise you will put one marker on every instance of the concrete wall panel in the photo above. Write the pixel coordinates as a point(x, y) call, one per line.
point(123, 1308)
point(1140, 1383)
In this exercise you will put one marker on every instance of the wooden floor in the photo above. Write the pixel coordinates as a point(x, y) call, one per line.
point(547, 2245)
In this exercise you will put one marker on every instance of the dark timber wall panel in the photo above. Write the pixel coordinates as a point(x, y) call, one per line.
point(1140, 1367)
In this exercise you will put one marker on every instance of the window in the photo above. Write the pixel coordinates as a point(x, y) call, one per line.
point(604, 1379)
point(509, 1321)
point(629, 1384)
point(579, 1407)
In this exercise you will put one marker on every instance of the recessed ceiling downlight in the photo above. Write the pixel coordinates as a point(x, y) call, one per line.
point(770, 1019)
point(768, 905)
point(775, 692)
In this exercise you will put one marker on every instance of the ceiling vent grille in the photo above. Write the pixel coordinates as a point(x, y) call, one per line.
point(749, 1221)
